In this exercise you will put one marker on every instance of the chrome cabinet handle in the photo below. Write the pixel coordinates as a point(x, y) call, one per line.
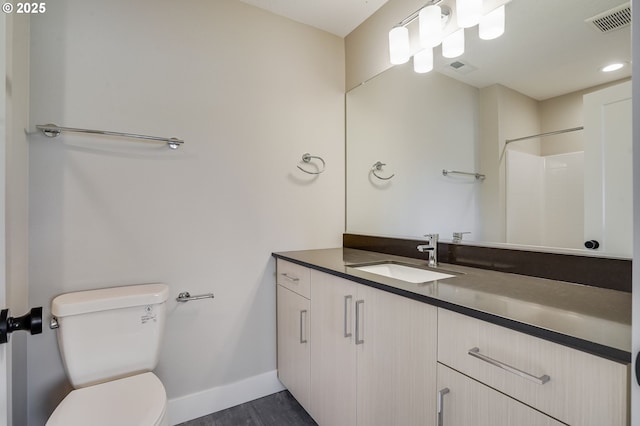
point(359, 303)
point(347, 300)
point(290, 278)
point(475, 352)
point(303, 315)
point(441, 394)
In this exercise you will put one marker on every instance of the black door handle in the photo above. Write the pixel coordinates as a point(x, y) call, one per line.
point(592, 244)
point(31, 322)
point(638, 368)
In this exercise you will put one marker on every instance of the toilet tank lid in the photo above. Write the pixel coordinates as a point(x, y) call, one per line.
point(103, 299)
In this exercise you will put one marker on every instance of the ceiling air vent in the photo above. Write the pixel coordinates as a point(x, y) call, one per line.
point(462, 67)
point(612, 19)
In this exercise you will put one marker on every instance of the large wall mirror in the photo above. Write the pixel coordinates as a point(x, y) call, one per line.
point(541, 136)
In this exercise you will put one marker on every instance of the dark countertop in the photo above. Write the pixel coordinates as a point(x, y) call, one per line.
point(590, 319)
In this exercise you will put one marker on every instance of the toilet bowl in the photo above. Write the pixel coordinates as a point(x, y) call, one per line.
point(109, 340)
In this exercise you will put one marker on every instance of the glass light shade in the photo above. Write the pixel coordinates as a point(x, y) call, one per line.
point(468, 12)
point(430, 25)
point(399, 47)
point(423, 60)
point(492, 24)
point(453, 44)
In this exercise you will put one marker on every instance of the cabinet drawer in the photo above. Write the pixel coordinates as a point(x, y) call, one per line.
point(294, 277)
point(580, 389)
point(463, 401)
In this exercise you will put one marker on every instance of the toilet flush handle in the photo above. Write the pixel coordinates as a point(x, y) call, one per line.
point(53, 323)
point(185, 296)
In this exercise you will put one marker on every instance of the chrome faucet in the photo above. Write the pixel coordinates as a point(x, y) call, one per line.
point(432, 248)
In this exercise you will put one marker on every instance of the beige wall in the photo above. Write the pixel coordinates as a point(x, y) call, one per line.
point(417, 125)
point(249, 92)
point(564, 112)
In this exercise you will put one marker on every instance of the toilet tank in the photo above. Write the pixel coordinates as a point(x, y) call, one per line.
point(110, 333)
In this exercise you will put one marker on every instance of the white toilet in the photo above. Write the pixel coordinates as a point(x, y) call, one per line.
point(109, 340)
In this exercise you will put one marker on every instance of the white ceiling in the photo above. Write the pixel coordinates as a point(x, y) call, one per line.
point(547, 49)
point(338, 17)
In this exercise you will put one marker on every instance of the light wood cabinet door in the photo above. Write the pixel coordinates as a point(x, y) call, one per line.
point(294, 344)
point(464, 402)
point(333, 354)
point(396, 359)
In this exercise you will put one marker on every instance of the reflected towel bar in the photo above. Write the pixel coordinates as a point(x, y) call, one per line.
point(52, 130)
point(478, 176)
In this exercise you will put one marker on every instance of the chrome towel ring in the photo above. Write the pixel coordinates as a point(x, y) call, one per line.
point(377, 167)
point(307, 159)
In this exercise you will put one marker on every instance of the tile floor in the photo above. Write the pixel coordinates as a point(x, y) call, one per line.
point(279, 409)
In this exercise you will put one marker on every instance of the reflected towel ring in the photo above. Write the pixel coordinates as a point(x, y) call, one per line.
point(307, 159)
point(378, 167)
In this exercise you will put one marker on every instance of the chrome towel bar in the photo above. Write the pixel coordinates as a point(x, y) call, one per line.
point(52, 130)
point(185, 296)
point(478, 176)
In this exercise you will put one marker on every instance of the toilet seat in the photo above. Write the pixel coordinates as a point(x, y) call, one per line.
point(138, 400)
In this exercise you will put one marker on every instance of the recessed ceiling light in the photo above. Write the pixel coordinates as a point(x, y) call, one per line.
point(612, 67)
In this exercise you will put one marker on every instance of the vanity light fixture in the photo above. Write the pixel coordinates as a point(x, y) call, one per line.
point(453, 44)
point(433, 20)
point(430, 26)
point(399, 48)
point(612, 67)
point(468, 12)
point(423, 60)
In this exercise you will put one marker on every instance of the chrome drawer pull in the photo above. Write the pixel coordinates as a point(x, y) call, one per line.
point(475, 352)
point(347, 303)
point(359, 339)
point(441, 394)
point(303, 315)
point(290, 278)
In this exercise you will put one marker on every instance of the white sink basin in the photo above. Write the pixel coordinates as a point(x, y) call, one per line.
point(404, 273)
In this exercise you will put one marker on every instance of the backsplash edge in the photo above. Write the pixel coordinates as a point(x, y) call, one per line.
point(609, 273)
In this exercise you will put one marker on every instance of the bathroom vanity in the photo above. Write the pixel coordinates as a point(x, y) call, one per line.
point(480, 347)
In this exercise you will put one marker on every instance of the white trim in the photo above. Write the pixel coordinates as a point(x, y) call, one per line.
point(200, 404)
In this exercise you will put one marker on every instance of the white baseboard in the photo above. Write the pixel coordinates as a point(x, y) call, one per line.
point(215, 399)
